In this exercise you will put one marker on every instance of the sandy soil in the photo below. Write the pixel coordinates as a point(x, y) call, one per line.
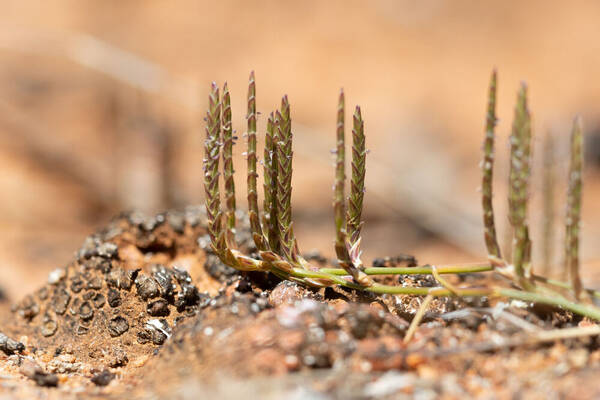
point(145, 310)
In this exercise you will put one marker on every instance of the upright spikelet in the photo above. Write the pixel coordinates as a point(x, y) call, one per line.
point(548, 193)
point(211, 168)
point(284, 180)
point(357, 184)
point(520, 152)
point(228, 165)
point(487, 166)
point(339, 202)
point(287, 264)
point(253, 212)
point(270, 185)
point(574, 207)
point(355, 201)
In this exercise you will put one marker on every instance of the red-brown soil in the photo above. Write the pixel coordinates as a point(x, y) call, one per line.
point(145, 310)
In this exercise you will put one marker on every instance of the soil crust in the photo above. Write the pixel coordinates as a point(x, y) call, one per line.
point(146, 310)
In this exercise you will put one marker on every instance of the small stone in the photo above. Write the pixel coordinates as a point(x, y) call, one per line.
point(82, 330)
point(286, 292)
point(86, 312)
point(107, 250)
point(75, 304)
point(195, 215)
point(578, 357)
point(150, 223)
point(33, 371)
point(117, 326)
point(132, 275)
point(159, 330)
point(63, 364)
point(114, 298)
point(147, 287)
point(177, 221)
point(49, 328)
point(361, 322)
point(76, 284)
point(99, 300)
point(28, 308)
point(100, 264)
point(119, 360)
point(95, 283)
point(88, 295)
point(158, 308)
point(244, 286)
point(144, 336)
point(103, 378)
point(60, 301)
point(119, 278)
point(181, 276)
point(188, 296)
point(291, 362)
point(88, 249)
point(163, 277)
point(56, 276)
point(10, 346)
point(43, 293)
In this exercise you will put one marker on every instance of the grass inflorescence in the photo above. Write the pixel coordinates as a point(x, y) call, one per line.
point(273, 233)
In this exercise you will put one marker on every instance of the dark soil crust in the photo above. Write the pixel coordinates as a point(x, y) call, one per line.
point(147, 311)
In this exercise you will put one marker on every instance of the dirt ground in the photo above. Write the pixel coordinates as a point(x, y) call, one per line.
point(99, 103)
point(145, 310)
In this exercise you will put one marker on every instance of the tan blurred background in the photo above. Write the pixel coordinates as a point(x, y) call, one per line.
point(101, 107)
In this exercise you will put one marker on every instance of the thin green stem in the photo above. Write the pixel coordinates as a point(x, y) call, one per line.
point(553, 300)
point(422, 270)
point(565, 285)
point(577, 308)
point(450, 269)
point(417, 318)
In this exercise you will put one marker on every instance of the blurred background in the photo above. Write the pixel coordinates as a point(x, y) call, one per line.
point(102, 105)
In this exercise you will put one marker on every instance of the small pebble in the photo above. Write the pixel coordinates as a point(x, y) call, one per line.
point(118, 326)
point(103, 378)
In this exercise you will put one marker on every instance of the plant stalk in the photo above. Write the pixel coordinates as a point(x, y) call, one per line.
point(574, 208)
point(487, 167)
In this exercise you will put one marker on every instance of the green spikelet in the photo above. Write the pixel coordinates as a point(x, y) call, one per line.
point(520, 153)
point(339, 202)
point(228, 165)
point(284, 180)
point(355, 201)
point(211, 169)
point(270, 185)
point(287, 264)
point(548, 193)
point(574, 208)
point(487, 166)
point(357, 184)
point(253, 212)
